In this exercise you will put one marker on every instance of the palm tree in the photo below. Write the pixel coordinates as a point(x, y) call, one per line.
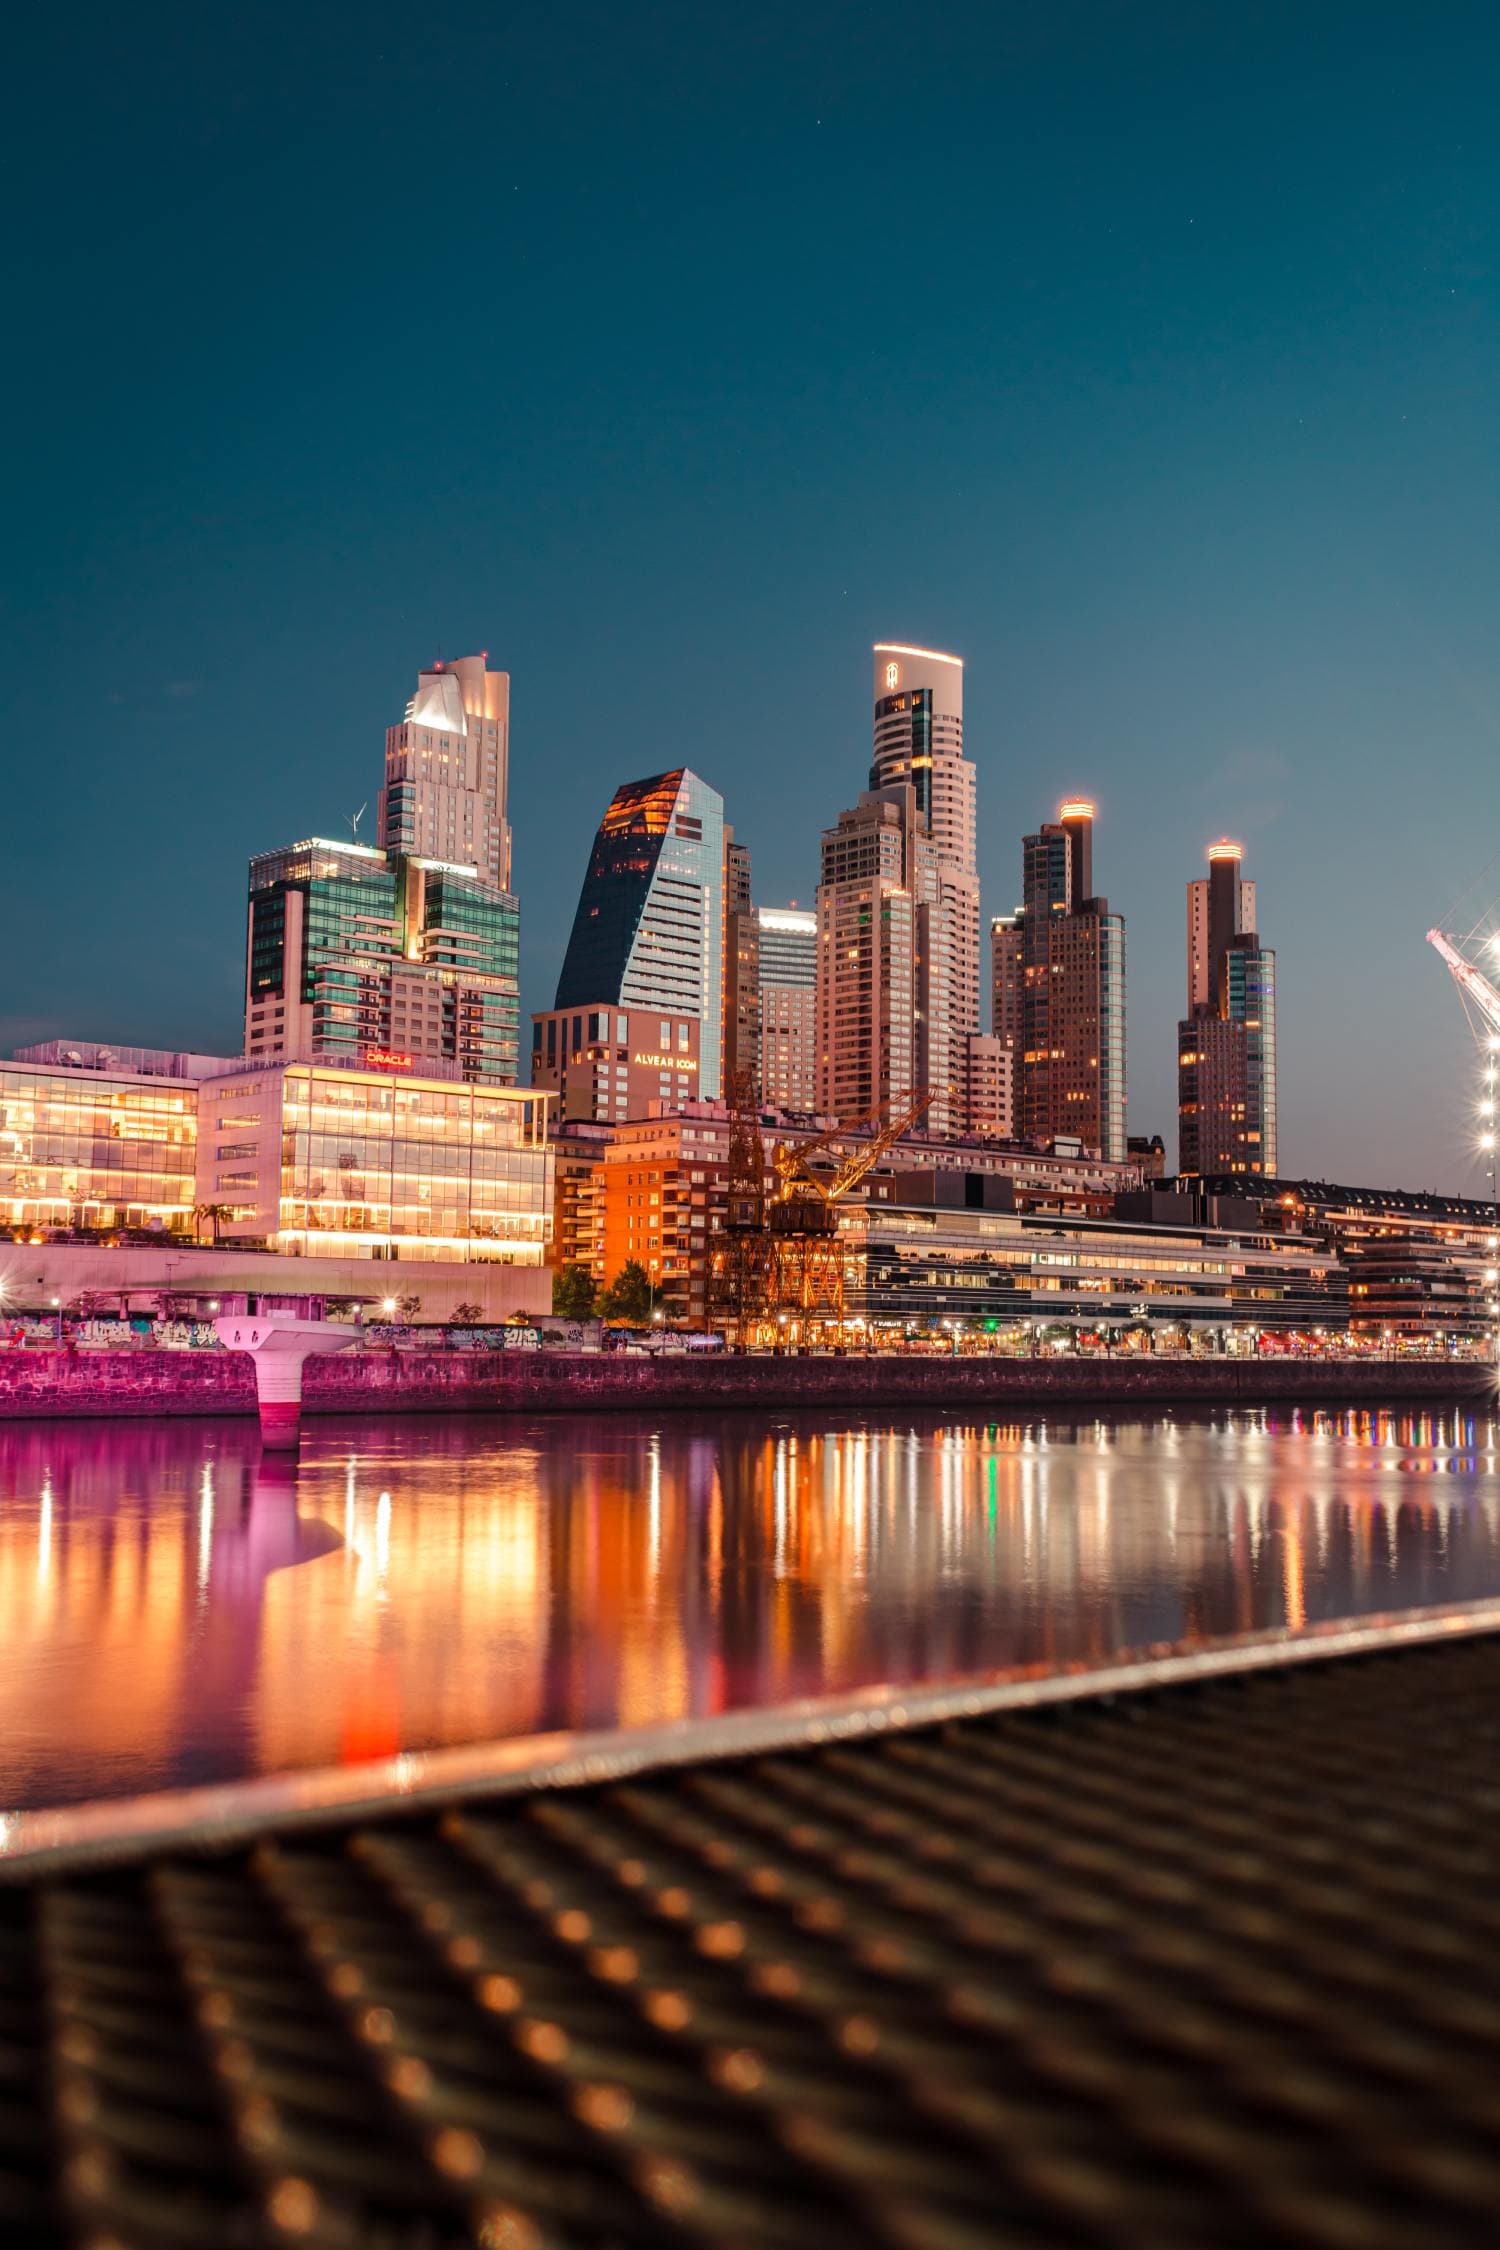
point(215, 1214)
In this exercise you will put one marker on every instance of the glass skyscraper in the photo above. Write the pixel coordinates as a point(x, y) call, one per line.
point(324, 935)
point(649, 930)
point(411, 948)
point(1226, 1044)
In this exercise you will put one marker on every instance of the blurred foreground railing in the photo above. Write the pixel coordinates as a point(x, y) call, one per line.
point(1196, 1951)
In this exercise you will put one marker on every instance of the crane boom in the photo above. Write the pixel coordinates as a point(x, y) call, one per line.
point(1471, 982)
point(797, 1176)
point(856, 1165)
point(791, 1162)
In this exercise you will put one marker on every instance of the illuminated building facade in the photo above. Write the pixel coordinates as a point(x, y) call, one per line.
point(649, 930)
point(351, 949)
point(447, 772)
point(742, 1064)
point(1058, 971)
point(324, 938)
point(1226, 1044)
point(579, 1149)
point(92, 1149)
point(919, 739)
point(1008, 984)
point(1420, 1266)
point(866, 967)
point(787, 957)
point(319, 1159)
point(607, 1064)
point(985, 1102)
point(949, 1261)
point(661, 1197)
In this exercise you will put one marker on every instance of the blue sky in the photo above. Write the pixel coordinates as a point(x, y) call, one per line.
point(1146, 357)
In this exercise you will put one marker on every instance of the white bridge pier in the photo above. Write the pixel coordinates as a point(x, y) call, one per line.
point(280, 1343)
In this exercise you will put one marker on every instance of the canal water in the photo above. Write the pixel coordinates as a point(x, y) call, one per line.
point(177, 1607)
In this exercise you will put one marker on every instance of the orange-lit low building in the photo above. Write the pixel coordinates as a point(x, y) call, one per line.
point(659, 1194)
point(661, 1202)
point(579, 1148)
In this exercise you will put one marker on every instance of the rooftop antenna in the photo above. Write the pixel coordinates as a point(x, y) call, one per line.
point(356, 818)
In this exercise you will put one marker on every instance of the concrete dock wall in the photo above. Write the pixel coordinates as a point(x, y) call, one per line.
point(137, 1275)
point(162, 1383)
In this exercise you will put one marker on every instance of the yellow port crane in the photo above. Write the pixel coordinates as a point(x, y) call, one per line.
point(807, 1254)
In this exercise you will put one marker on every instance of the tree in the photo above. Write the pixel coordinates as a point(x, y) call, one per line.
point(466, 1315)
point(629, 1296)
point(216, 1214)
point(408, 1307)
point(573, 1293)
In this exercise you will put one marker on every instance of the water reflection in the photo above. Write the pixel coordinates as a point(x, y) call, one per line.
point(177, 1607)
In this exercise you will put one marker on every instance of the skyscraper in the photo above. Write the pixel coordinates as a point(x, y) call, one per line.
point(447, 771)
point(788, 1000)
point(1226, 1044)
point(649, 930)
point(866, 971)
point(1058, 969)
point(919, 739)
point(351, 950)
point(409, 949)
point(741, 1062)
point(1008, 1000)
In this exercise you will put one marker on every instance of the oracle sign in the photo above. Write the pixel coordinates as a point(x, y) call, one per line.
point(384, 1058)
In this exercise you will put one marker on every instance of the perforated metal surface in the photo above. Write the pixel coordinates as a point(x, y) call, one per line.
point(1217, 1965)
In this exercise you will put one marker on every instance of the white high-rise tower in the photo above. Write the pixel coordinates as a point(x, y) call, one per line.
point(919, 740)
point(447, 771)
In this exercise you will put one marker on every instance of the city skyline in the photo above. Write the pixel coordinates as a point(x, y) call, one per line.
point(893, 776)
point(1189, 454)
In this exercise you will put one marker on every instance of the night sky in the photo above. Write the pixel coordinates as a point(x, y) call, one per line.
point(1144, 356)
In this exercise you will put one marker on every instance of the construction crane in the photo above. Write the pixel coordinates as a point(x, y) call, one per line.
point(1474, 987)
point(742, 1261)
point(1481, 999)
point(806, 1264)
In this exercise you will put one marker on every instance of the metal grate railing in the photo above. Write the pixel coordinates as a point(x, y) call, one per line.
point(1214, 1964)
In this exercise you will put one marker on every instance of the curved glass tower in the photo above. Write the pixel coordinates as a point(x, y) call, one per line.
point(649, 930)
